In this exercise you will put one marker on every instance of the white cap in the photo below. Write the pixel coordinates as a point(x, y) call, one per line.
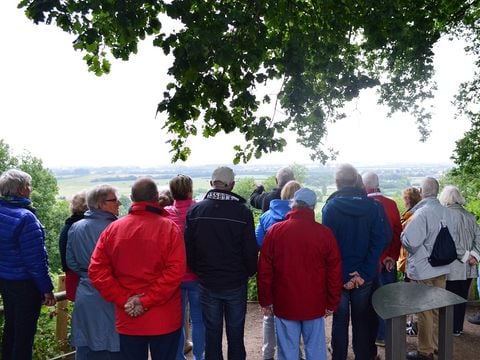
point(224, 175)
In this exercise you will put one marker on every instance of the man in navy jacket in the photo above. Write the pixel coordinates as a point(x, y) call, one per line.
point(222, 251)
point(359, 225)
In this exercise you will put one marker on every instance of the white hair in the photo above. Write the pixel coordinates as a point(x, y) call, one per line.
point(97, 195)
point(451, 195)
point(346, 176)
point(13, 181)
point(429, 187)
point(370, 180)
point(284, 175)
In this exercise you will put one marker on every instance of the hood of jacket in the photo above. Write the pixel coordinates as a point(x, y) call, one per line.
point(350, 202)
point(279, 208)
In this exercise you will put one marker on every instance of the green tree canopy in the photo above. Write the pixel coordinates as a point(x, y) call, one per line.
point(321, 53)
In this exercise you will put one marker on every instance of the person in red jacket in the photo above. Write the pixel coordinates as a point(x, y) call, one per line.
point(300, 278)
point(388, 259)
point(138, 264)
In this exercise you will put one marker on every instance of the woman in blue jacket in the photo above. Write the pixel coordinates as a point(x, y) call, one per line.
point(24, 280)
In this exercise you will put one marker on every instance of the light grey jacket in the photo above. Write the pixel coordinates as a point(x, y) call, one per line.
point(466, 234)
point(419, 236)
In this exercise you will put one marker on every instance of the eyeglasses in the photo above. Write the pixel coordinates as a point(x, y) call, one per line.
point(116, 200)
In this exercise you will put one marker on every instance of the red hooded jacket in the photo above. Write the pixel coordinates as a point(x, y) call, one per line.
point(142, 253)
point(299, 269)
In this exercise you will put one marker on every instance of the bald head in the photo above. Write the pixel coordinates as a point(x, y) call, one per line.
point(370, 180)
point(144, 189)
point(346, 176)
point(429, 187)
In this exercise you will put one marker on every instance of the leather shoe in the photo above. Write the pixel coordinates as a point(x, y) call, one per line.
point(415, 355)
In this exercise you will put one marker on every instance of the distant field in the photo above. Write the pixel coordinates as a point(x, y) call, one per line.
point(68, 186)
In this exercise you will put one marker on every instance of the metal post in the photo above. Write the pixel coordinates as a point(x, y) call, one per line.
point(445, 333)
point(395, 345)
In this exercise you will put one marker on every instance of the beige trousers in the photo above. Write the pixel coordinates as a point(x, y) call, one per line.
point(428, 320)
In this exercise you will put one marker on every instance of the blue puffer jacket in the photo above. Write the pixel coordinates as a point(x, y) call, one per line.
point(360, 227)
point(277, 212)
point(22, 244)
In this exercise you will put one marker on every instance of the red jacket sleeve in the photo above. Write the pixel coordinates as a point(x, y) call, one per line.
point(265, 272)
point(100, 272)
point(393, 250)
point(334, 272)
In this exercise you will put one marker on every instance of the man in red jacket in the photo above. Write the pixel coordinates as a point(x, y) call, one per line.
point(300, 278)
point(388, 259)
point(138, 264)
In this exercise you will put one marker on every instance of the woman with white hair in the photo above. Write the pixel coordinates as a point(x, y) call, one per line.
point(466, 234)
point(24, 280)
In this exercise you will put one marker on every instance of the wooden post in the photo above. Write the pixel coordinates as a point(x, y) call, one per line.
point(61, 330)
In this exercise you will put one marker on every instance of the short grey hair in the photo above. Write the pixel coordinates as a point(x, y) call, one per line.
point(144, 189)
point(370, 180)
point(78, 204)
point(451, 195)
point(13, 181)
point(297, 204)
point(430, 187)
point(346, 176)
point(97, 195)
point(284, 175)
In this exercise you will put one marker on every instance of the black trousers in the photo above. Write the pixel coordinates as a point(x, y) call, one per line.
point(459, 287)
point(21, 302)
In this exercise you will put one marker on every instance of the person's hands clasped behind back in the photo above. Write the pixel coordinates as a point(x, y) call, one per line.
point(133, 307)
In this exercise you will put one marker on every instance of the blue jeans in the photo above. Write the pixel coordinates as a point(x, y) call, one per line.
point(216, 304)
point(288, 338)
point(22, 302)
point(191, 293)
point(357, 302)
point(384, 277)
point(162, 347)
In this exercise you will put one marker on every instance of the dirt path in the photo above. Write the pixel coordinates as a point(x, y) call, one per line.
point(465, 347)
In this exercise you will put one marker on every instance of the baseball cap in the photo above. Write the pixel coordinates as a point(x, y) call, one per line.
point(224, 175)
point(305, 195)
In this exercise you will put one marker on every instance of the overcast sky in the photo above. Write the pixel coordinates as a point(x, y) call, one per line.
point(54, 108)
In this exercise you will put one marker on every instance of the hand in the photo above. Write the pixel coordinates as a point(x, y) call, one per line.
point(472, 260)
point(349, 285)
point(49, 299)
point(260, 189)
point(389, 263)
point(328, 312)
point(267, 310)
point(356, 279)
point(133, 307)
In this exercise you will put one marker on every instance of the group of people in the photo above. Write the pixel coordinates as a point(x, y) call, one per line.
point(131, 278)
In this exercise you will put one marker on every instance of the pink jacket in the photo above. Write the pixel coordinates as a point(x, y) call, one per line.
point(178, 213)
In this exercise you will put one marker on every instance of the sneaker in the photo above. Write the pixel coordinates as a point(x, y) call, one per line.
point(416, 355)
point(411, 328)
point(380, 342)
point(474, 319)
point(457, 332)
